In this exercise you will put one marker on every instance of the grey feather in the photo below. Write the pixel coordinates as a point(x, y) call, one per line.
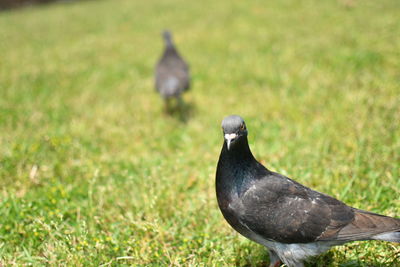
point(172, 72)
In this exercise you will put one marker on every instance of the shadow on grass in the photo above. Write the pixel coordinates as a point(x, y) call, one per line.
point(330, 258)
point(326, 259)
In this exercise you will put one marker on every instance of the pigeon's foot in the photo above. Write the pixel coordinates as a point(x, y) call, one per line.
point(274, 259)
point(275, 264)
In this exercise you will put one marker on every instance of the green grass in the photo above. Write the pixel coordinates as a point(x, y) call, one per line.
point(93, 173)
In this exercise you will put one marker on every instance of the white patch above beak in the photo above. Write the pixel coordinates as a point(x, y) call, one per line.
point(229, 138)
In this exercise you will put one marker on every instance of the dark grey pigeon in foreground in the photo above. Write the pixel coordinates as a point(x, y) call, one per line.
point(172, 72)
point(294, 222)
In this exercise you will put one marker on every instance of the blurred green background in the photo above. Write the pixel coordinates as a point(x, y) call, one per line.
point(93, 173)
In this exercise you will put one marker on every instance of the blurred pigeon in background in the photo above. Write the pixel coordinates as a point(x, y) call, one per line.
point(172, 73)
point(294, 222)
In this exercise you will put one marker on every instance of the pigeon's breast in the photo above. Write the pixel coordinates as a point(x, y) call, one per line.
point(232, 213)
point(233, 209)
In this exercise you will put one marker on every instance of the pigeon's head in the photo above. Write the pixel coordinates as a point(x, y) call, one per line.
point(234, 129)
point(167, 36)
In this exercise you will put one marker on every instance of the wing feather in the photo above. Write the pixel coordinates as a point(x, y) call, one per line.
point(281, 209)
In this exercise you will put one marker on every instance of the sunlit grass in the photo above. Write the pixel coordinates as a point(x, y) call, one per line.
point(92, 172)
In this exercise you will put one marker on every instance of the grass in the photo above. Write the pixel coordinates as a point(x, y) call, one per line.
point(92, 173)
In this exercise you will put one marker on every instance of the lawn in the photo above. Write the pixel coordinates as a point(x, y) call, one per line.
point(93, 173)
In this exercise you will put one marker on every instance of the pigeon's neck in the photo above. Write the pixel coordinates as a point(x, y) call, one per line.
point(168, 42)
point(237, 168)
point(238, 153)
point(170, 50)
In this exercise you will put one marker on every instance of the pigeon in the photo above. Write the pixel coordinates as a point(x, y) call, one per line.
point(172, 72)
point(292, 221)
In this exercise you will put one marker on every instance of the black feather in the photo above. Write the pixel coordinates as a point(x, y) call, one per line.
point(268, 207)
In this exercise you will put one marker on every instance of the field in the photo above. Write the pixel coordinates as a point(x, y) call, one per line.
point(93, 173)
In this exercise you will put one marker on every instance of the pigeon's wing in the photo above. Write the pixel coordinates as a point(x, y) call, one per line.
point(280, 209)
point(181, 71)
point(172, 75)
point(185, 76)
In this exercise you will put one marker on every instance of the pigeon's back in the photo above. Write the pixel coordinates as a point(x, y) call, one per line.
point(172, 72)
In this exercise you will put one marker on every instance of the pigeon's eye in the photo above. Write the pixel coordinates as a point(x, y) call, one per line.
point(242, 127)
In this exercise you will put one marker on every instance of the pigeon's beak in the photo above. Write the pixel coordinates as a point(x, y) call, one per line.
point(229, 138)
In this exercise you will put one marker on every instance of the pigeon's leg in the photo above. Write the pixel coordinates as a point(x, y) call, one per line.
point(293, 263)
point(273, 259)
point(180, 103)
point(167, 105)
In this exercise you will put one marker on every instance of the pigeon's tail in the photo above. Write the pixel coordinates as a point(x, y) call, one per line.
point(391, 237)
point(367, 225)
